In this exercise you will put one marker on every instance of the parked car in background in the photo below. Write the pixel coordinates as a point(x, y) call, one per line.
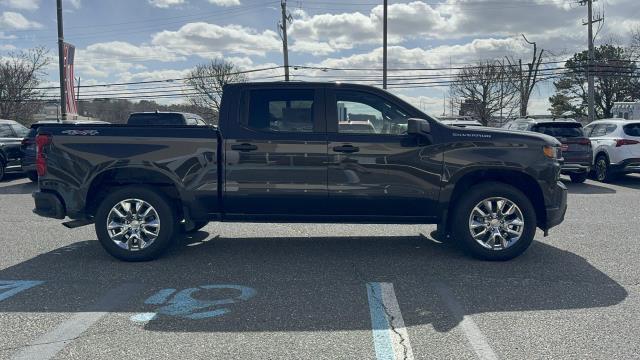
point(576, 146)
point(616, 147)
point(461, 123)
point(28, 145)
point(11, 134)
point(358, 127)
point(165, 118)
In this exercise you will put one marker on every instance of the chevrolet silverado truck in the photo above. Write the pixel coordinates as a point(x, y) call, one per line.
point(279, 155)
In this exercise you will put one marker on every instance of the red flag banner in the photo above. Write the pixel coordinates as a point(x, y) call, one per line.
point(70, 101)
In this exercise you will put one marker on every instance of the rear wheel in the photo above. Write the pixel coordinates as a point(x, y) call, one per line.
point(33, 176)
point(578, 178)
point(603, 170)
point(495, 222)
point(135, 224)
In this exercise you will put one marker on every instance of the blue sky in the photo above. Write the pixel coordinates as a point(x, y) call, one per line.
point(141, 40)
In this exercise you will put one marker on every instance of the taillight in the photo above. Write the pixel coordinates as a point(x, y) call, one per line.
point(41, 163)
point(622, 142)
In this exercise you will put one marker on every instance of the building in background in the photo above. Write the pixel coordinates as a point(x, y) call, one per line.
point(626, 110)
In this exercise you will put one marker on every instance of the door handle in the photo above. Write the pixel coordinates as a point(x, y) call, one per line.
point(244, 147)
point(346, 149)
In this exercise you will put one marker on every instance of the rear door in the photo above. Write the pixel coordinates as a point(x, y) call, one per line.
point(377, 169)
point(631, 134)
point(276, 154)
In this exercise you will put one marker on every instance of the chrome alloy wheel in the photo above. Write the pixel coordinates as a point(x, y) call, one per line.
point(133, 224)
point(601, 169)
point(496, 223)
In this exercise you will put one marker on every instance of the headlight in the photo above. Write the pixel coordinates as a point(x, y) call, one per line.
point(551, 152)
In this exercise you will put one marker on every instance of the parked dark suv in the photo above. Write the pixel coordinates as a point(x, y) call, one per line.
point(576, 147)
point(11, 134)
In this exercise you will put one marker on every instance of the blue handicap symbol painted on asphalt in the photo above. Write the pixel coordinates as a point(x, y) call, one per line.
point(8, 288)
point(182, 304)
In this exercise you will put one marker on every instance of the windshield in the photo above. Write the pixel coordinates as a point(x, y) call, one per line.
point(156, 119)
point(560, 129)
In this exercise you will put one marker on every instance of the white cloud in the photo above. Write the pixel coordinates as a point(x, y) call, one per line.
point(225, 2)
point(210, 40)
point(122, 50)
point(4, 36)
point(21, 4)
point(166, 3)
point(74, 3)
point(15, 21)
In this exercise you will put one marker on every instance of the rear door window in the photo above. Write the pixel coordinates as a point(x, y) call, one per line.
point(5, 131)
point(20, 130)
point(602, 130)
point(565, 130)
point(281, 110)
point(632, 130)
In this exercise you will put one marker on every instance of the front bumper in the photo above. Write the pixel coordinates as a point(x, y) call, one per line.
point(575, 168)
point(48, 205)
point(556, 206)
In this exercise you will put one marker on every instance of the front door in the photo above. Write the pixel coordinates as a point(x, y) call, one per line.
point(375, 168)
point(276, 160)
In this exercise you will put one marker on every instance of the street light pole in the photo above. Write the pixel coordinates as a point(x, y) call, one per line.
point(384, 46)
point(63, 96)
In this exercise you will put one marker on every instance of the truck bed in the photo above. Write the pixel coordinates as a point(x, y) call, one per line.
point(183, 157)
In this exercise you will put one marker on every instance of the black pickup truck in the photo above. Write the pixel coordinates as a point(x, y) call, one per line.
point(279, 155)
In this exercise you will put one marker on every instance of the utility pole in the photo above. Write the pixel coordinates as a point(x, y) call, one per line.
point(283, 35)
point(63, 96)
point(523, 113)
point(384, 44)
point(590, 83)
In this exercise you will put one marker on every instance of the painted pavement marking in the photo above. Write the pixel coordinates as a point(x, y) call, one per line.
point(390, 336)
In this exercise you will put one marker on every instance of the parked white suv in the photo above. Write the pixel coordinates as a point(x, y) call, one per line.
point(616, 147)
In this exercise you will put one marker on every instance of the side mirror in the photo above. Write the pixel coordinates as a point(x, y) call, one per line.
point(418, 127)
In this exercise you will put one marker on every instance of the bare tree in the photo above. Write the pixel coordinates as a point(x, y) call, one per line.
point(485, 88)
point(207, 81)
point(20, 75)
point(526, 81)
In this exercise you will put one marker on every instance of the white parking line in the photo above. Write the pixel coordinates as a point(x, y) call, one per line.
point(476, 339)
point(390, 337)
point(49, 344)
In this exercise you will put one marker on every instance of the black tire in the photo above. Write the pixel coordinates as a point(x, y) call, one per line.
point(197, 225)
point(2, 169)
point(462, 211)
point(166, 217)
point(602, 170)
point(33, 176)
point(578, 178)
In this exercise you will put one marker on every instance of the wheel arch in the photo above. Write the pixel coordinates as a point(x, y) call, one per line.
point(518, 179)
point(107, 180)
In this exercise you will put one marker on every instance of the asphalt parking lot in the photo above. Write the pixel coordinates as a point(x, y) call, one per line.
point(285, 291)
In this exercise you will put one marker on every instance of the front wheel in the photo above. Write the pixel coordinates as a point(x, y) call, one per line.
point(135, 224)
point(495, 222)
point(2, 169)
point(33, 176)
point(603, 170)
point(578, 178)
